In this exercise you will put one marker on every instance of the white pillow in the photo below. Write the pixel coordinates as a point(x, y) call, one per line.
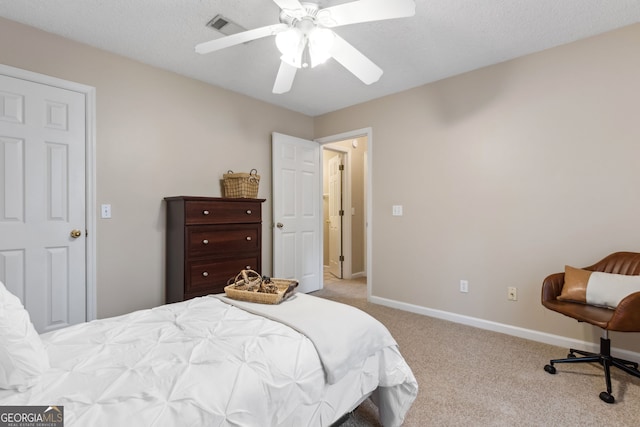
point(609, 289)
point(23, 357)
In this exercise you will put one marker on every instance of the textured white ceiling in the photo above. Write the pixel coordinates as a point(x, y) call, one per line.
point(445, 38)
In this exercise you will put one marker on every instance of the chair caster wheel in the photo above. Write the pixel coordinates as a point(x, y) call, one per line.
point(552, 370)
point(607, 397)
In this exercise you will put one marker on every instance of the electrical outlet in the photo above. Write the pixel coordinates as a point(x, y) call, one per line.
point(464, 286)
point(512, 293)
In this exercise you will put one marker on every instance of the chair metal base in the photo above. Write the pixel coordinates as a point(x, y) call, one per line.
point(604, 358)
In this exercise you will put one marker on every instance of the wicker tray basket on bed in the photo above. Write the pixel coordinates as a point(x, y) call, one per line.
point(250, 286)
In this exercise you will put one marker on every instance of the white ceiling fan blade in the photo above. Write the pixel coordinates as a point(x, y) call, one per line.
point(288, 4)
point(284, 79)
point(235, 39)
point(353, 60)
point(366, 11)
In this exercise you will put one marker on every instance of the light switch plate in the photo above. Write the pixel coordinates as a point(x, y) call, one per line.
point(105, 211)
point(396, 210)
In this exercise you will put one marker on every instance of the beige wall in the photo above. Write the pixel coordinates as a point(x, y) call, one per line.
point(506, 174)
point(158, 134)
point(357, 203)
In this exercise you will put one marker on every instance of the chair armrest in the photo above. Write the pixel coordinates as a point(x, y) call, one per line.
point(626, 316)
point(552, 287)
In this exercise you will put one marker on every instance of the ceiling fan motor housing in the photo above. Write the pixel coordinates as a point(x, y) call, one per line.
point(305, 17)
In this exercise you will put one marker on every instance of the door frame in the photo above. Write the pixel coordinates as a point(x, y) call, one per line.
point(368, 133)
point(90, 171)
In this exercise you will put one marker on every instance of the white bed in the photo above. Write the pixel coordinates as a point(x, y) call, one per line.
point(204, 362)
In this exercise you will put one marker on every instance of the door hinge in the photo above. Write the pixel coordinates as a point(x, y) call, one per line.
point(341, 167)
point(341, 258)
point(341, 212)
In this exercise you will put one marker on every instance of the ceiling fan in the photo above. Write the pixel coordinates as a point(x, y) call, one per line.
point(304, 38)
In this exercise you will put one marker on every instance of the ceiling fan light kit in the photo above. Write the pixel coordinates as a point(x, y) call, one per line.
point(292, 43)
point(304, 39)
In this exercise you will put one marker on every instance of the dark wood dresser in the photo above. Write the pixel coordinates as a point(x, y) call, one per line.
point(209, 240)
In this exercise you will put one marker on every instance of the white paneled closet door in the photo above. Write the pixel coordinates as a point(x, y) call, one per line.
point(42, 200)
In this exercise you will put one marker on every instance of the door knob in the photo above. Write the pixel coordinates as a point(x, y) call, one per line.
point(75, 233)
point(279, 225)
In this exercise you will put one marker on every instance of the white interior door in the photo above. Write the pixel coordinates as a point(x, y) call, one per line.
point(297, 215)
point(335, 215)
point(42, 200)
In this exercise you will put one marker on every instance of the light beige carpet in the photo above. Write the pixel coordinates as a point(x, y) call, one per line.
point(473, 377)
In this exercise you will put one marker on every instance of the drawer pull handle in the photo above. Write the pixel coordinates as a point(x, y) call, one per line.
point(205, 274)
point(205, 242)
point(248, 238)
point(248, 211)
point(205, 212)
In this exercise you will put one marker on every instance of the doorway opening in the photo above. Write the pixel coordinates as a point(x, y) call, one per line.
point(345, 213)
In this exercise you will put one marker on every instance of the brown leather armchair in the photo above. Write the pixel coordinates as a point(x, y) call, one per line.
point(624, 318)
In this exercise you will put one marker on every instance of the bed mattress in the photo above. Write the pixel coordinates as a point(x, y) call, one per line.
point(203, 362)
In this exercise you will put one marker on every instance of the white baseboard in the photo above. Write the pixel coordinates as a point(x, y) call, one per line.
point(516, 331)
point(358, 275)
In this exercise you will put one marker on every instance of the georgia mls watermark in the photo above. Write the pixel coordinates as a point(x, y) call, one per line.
point(31, 416)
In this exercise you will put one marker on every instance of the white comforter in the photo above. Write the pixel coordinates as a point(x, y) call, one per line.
point(205, 363)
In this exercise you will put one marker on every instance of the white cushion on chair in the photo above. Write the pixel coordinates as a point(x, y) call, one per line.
point(609, 289)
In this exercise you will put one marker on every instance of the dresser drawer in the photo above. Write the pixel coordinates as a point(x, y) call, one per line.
point(211, 276)
point(214, 212)
point(222, 239)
